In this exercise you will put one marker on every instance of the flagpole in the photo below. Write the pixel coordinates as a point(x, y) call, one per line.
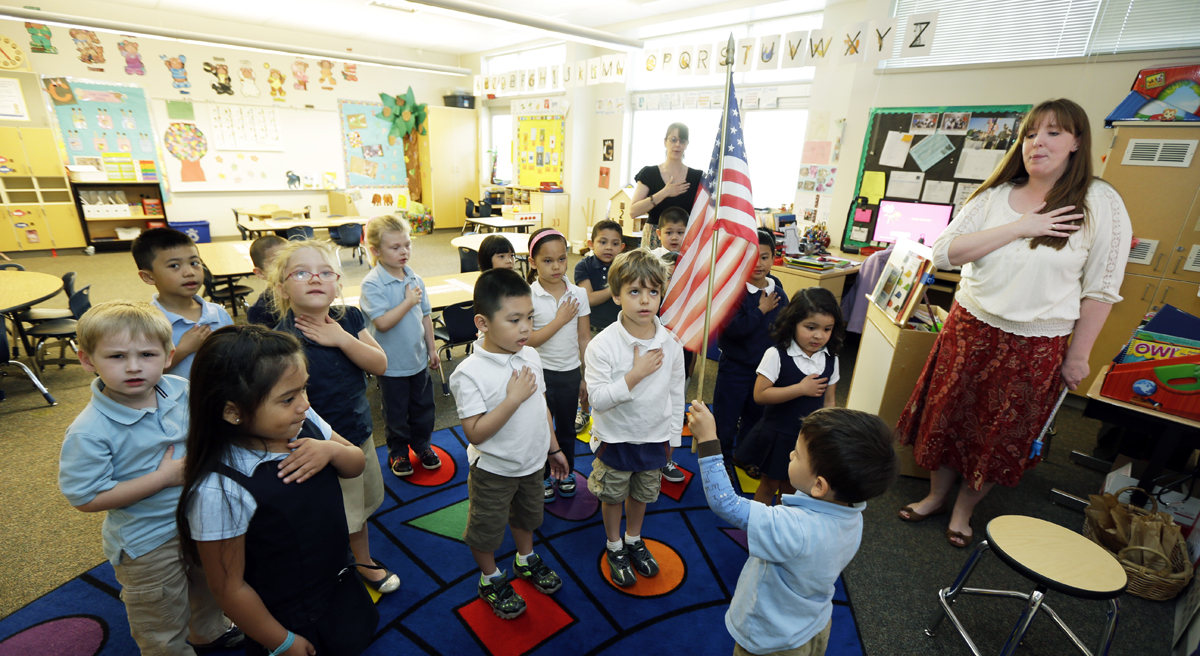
point(712, 259)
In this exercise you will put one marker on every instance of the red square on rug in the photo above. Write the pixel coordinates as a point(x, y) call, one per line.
point(543, 619)
point(677, 490)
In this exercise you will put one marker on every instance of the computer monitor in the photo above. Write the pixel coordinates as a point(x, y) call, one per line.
point(920, 222)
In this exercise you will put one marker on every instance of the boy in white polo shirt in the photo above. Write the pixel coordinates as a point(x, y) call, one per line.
point(635, 383)
point(500, 395)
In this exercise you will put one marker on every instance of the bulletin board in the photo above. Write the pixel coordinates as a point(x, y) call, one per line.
point(370, 160)
point(540, 153)
point(107, 125)
point(208, 146)
point(929, 154)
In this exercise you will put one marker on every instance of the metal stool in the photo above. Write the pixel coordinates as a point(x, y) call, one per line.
point(1054, 558)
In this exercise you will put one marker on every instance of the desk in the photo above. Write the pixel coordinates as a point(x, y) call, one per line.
point(443, 291)
point(266, 214)
point(500, 224)
point(520, 242)
point(1134, 417)
point(834, 280)
point(21, 290)
point(254, 226)
point(229, 260)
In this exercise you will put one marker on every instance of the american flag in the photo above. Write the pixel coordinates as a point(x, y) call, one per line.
point(737, 243)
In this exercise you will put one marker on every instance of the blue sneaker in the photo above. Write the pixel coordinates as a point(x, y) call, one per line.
point(566, 486)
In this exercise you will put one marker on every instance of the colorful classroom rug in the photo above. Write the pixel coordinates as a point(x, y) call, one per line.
point(417, 533)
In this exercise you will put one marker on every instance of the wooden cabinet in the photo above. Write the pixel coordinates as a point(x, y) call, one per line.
point(36, 208)
point(1163, 200)
point(12, 152)
point(41, 153)
point(453, 163)
point(8, 235)
point(65, 229)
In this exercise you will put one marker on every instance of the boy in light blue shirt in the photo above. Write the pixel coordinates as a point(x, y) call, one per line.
point(784, 596)
point(393, 298)
point(124, 455)
point(169, 260)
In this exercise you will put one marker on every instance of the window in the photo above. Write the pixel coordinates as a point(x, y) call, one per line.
point(971, 32)
point(773, 166)
point(502, 136)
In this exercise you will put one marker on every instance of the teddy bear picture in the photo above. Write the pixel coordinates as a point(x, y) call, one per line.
point(276, 79)
point(133, 59)
point(88, 45)
point(246, 76)
point(300, 74)
point(224, 83)
point(178, 72)
point(326, 74)
point(39, 39)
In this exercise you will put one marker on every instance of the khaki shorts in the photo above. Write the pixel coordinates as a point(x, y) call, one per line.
point(363, 494)
point(614, 486)
point(164, 596)
point(497, 501)
point(816, 646)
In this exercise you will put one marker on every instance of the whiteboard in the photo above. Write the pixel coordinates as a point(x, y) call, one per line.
point(310, 158)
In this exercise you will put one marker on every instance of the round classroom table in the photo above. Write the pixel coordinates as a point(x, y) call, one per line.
point(23, 289)
point(520, 241)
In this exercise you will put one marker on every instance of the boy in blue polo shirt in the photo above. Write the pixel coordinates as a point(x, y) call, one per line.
point(169, 260)
point(783, 603)
point(124, 455)
point(393, 298)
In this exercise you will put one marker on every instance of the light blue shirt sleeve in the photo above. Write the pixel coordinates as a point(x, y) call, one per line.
point(223, 318)
point(373, 299)
point(727, 504)
point(777, 534)
point(326, 429)
point(220, 509)
point(85, 467)
point(426, 308)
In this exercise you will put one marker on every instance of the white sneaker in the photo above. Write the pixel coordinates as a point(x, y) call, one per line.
point(581, 420)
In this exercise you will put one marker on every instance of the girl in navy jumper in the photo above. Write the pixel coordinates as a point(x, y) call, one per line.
point(795, 378)
point(261, 507)
point(743, 343)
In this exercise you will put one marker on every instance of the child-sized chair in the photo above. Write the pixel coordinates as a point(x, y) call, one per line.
point(62, 330)
point(1054, 558)
point(459, 328)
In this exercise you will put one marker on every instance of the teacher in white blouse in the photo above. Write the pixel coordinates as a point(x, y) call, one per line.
point(1042, 245)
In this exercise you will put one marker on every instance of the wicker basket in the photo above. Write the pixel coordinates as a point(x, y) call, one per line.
point(1145, 582)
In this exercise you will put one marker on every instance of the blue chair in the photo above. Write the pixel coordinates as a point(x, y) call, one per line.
point(17, 363)
point(349, 235)
point(229, 294)
point(11, 265)
point(299, 232)
point(39, 315)
point(61, 330)
point(458, 328)
point(468, 260)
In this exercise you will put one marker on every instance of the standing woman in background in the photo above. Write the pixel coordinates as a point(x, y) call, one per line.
point(670, 184)
point(1043, 246)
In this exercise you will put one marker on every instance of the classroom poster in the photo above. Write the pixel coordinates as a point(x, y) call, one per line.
point(104, 119)
point(369, 159)
point(540, 150)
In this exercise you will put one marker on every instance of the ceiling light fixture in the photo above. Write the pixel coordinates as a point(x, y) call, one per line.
point(474, 11)
point(20, 13)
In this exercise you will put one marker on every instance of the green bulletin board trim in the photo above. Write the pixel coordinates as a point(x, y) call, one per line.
point(940, 109)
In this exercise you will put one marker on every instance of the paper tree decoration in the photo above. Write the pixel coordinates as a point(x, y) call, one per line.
point(408, 123)
point(187, 144)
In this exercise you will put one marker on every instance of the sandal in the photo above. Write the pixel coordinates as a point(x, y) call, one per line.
point(750, 470)
point(965, 539)
point(389, 583)
point(914, 516)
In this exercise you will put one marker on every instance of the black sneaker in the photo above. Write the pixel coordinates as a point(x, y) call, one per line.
point(232, 638)
point(618, 564)
point(400, 466)
point(548, 494)
point(581, 420)
point(566, 487)
point(429, 459)
point(499, 594)
point(672, 474)
point(537, 573)
point(643, 562)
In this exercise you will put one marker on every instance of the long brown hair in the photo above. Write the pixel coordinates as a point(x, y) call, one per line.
point(1071, 188)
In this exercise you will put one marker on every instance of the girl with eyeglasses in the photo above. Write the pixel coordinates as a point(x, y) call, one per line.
point(670, 184)
point(340, 352)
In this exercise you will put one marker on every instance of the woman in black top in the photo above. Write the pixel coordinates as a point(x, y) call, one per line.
point(670, 184)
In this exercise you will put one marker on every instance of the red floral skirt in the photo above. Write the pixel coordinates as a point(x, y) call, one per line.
point(982, 400)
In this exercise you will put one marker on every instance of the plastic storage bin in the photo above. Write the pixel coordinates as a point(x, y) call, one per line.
point(197, 230)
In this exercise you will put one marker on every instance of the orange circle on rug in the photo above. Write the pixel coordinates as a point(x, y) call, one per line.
point(671, 573)
point(431, 477)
